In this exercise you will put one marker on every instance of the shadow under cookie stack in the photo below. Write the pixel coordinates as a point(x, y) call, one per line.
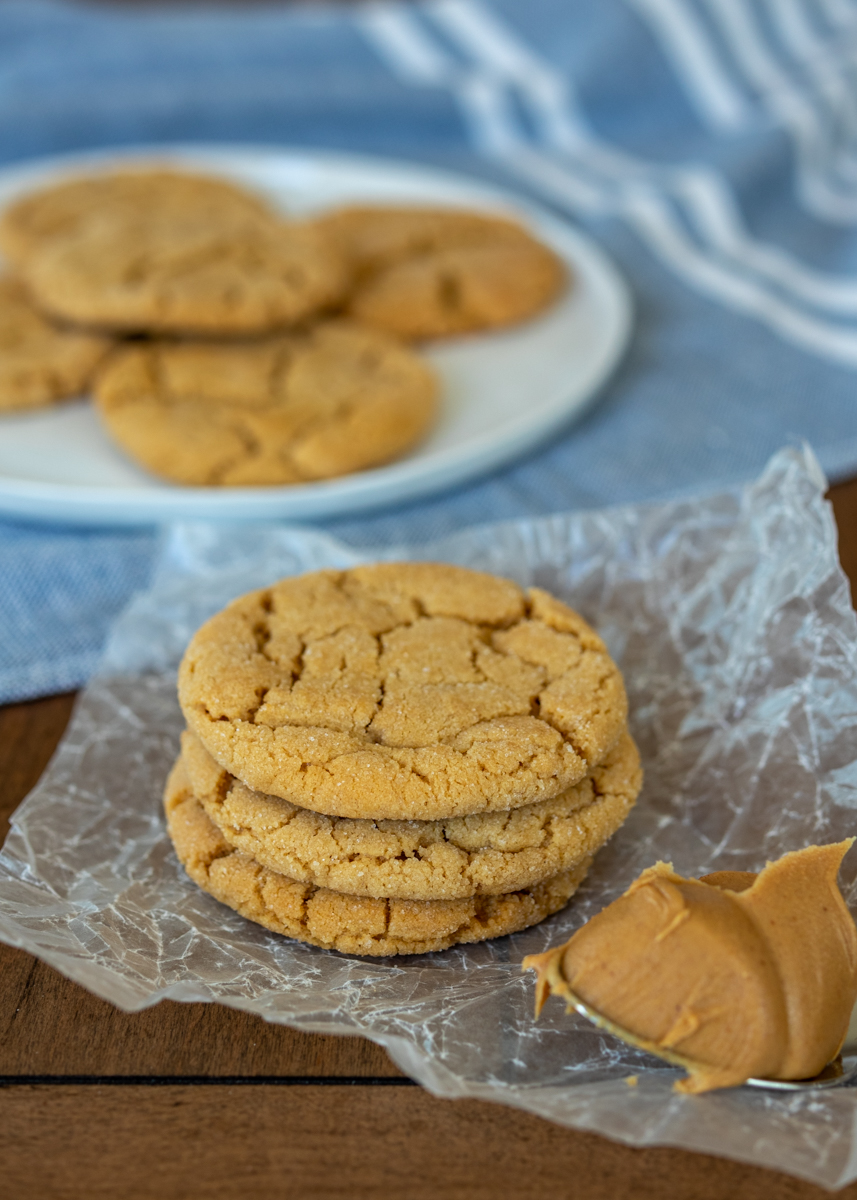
point(227, 344)
point(399, 757)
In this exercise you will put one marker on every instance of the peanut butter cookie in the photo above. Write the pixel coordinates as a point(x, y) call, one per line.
point(333, 399)
point(484, 854)
point(402, 691)
point(338, 921)
point(423, 273)
point(220, 275)
point(41, 362)
point(64, 210)
point(374, 237)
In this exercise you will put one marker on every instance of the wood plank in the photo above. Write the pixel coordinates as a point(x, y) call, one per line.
point(51, 1026)
point(334, 1143)
point(29, 734)
point(843, 497)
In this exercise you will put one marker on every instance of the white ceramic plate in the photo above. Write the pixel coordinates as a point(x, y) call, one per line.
point(503, 393)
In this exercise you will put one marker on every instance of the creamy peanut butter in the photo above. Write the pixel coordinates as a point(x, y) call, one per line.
point(732, 976)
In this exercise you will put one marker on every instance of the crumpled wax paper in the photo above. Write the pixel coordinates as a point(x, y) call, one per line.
point(731, 620)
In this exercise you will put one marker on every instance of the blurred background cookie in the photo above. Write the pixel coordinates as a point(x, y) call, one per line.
point(40, 361)
point(223, 275)
point(66, 209)
point(333, 399)
point(424, 273)
point(375, 236)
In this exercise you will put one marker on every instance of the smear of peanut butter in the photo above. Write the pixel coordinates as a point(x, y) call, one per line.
point(734, 975)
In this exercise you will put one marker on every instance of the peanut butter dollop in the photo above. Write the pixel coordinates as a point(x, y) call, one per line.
point(733, 976)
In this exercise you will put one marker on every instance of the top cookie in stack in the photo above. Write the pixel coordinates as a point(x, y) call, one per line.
point(399, 757)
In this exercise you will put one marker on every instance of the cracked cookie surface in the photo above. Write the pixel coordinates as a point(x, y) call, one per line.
point(402, 691)
point(483, 854)
point(41, 362)
point(335, 920)
point(423, 273)
point(64, 209)
point(334, 399)
point(220, 275)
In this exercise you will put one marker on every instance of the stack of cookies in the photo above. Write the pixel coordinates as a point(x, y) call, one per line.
point(229, 345)
point(398, 757)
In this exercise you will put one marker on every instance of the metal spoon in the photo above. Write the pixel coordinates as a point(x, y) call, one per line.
point(837, 1073)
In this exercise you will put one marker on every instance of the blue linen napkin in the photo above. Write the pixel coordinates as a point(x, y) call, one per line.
point(708, 144)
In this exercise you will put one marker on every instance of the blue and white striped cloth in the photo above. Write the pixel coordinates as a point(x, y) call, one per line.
point(710, 145)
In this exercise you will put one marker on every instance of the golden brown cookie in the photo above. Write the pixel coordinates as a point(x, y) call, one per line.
point(189, 275)
point(334, 399)
point(402, 691)
point(459, 291)
point(483, 855)
point(423, 273)
point(64, 209)
point(335, 920)
point(378, 236)
point(41, 362)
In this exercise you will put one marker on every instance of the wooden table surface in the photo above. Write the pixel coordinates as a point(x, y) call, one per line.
point(187, 1100)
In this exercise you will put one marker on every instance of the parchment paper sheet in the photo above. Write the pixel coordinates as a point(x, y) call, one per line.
point(731, 620)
